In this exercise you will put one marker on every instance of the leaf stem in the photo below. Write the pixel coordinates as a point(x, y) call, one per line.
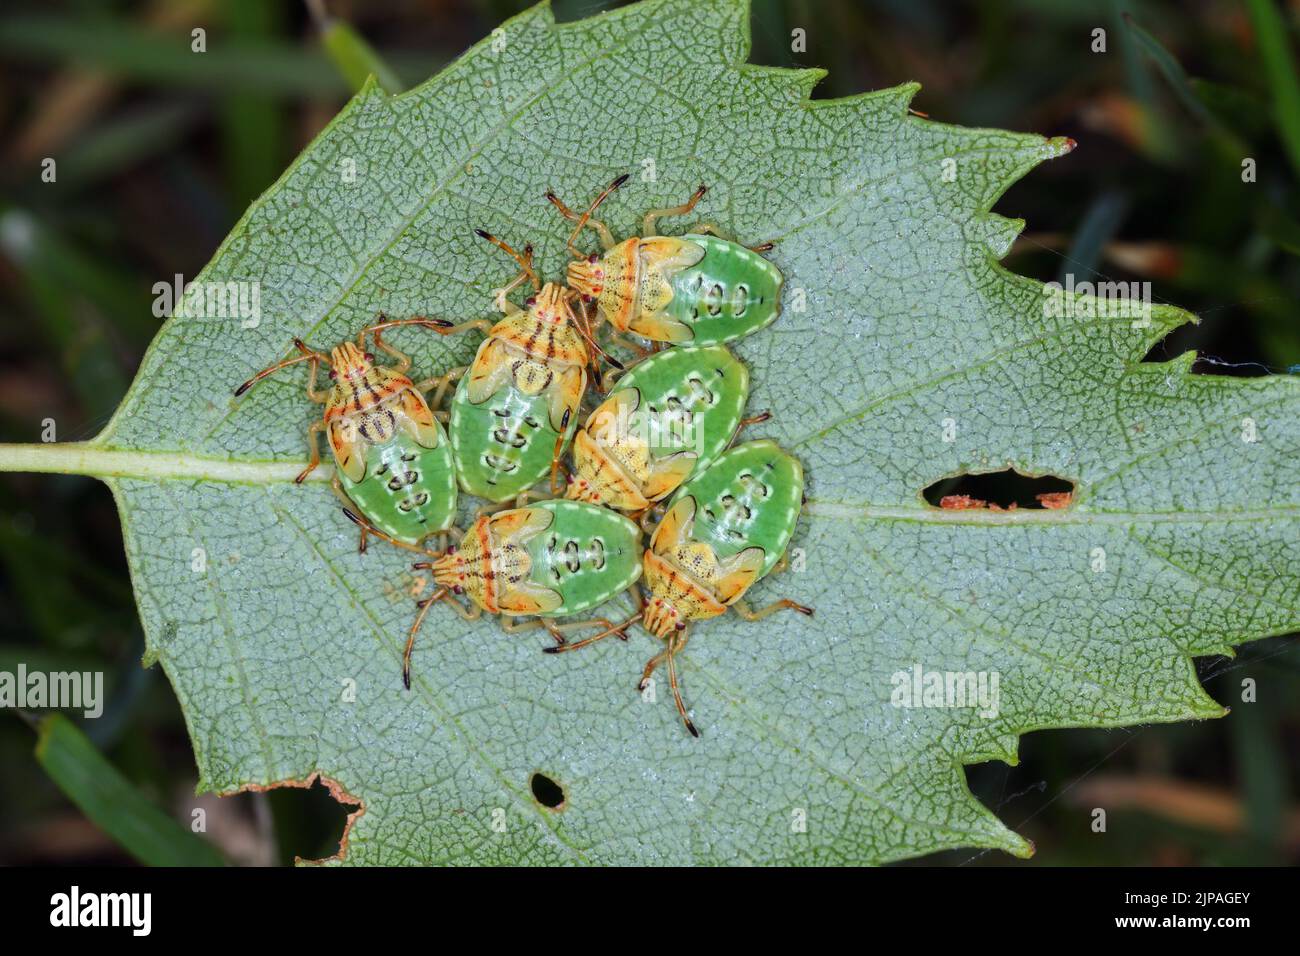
point(88, 458)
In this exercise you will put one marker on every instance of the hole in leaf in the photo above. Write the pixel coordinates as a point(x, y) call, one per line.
point(310, 819)
point(999, 491)
point(546, 791)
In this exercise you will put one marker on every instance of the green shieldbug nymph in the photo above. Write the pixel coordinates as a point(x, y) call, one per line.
point(550, 559)
point(392, 459)
point(517, 407)
point(695, 289)
point(724, 529)
point(666, 419)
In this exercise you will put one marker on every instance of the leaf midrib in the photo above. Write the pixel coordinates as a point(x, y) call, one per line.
point(88, 458)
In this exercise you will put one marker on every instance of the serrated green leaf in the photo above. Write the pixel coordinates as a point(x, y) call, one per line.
point(909, 332)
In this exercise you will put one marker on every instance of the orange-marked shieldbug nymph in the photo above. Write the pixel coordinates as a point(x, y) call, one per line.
point(392, 460)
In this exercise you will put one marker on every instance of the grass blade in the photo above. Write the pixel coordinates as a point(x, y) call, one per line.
point(111, 802)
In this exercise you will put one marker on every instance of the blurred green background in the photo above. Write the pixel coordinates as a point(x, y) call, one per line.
point(159, 151)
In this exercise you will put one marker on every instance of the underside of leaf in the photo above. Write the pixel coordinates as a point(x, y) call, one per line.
point(905, 354)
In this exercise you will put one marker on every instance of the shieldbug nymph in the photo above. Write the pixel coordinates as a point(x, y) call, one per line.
point(550, 559)
point(669, 417)
point(516, 409)
point(724, 529)
point(392, 459)
point(696, 289)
